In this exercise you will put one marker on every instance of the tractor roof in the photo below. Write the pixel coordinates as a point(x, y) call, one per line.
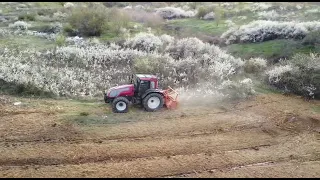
point(146, 76)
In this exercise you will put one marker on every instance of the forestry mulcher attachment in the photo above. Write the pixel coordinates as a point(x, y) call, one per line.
point(143, 90)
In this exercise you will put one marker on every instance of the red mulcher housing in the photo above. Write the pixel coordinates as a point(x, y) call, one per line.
point(142, 90)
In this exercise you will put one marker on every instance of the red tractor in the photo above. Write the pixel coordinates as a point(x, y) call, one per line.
point(143, 90)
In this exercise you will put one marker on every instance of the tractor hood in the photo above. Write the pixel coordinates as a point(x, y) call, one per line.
point(122, 86)
point(116, 91)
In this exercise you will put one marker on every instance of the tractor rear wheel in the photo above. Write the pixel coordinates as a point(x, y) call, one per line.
point(153, 102)
point(120, 105)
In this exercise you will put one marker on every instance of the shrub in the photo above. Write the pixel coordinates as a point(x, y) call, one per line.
point(299, 75)
point(209, 16)
point(187, 47)
point(312, 39)
point(171, 12)
point(276, 73)
point(20, 25)
point(118, 20)
point(88, 21)
point(236, 90)
point(230, 23)
point(201, 12)
point(60, 40)
point(70, 30)
point(68, 5)
point(145, 42)
point(27, 17)
point(258, 31)
point(255, 65)
point(167, 39)
point(153, 20)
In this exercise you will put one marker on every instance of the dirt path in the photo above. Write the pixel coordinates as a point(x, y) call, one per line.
point(268, 136)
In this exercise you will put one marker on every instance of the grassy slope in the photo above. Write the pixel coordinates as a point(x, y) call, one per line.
point(24, 42)
point(274, 49)
point(202, 26)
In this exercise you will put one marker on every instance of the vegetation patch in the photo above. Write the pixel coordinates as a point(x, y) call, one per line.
point(271, 50)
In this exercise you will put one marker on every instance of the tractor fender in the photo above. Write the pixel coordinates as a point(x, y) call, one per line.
point(160, 91)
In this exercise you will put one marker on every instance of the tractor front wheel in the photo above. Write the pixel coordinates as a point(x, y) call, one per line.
point(120, 105)
point(153, 102)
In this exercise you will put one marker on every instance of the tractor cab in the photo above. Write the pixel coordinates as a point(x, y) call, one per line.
point(143, 82)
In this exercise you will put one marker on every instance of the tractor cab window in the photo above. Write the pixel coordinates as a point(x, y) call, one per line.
point(152, 85)
point(144, 85)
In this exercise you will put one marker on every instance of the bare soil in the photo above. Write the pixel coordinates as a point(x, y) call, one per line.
point(270, 135)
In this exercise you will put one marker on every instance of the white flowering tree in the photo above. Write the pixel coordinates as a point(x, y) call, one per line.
point(145, 42)
point(258, 31)
point(298, 75)
point(90, 68)
point(172, 12)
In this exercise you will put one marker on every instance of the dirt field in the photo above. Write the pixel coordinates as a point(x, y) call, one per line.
point(270, 135)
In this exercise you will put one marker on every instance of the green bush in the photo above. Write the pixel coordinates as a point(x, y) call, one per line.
point(60, 40)
point(201, 12)
point(117, 19)
point(27, 17)
point(69, 30)
point(23, 89)
point(88, 21)
point(312, 39)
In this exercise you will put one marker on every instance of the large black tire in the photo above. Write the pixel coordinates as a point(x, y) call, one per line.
point(153, 102)
point(120, 105)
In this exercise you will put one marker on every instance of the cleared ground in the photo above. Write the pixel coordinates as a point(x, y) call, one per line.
point(270, 135)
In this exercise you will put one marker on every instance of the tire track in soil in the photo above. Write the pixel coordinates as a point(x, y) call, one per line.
point(118, 152)
point(161, 166)
point(121, 138)
point(202, 128)
point(83, 153)
point(249, 170)
point(214, 131)
point(52, 161)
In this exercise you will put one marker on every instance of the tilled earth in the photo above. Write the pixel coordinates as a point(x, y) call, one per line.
point(270, 135)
